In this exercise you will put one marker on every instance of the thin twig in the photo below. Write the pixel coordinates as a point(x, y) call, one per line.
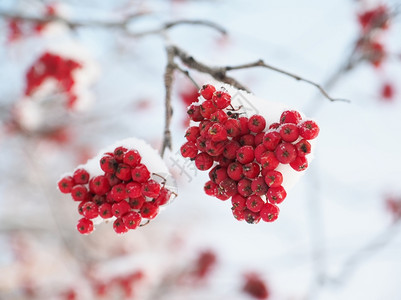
point(188, 75)
point(261, 63)
point(122, 24)
point(170, 25)
point(168, 82)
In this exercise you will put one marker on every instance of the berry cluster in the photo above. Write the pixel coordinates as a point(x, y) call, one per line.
point(18, 28)
point(372, 23)
point(243, 155)
point(125, 191)
point(53, 66)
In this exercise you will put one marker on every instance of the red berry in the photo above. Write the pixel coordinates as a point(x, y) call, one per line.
point(254, 203)
point(164, 197)
point(234, 171)
point(99, 200)
point(271, 139)
point(233, 127)
point(269, 161)
point(90, 210)
point(108, 164)
point(132, 220)
point(136, 203)
point(273, 178)
point(238, 201)
point(81, 176)
point(80, 209)
point(194, 113)
point(251, 217)
point(245, 187)
point(259, 187)
point(132, 158)
point(219, 116)
point(276, 195)
point(289, 132)
point(85, 226)
point(221, 99)
point(230, 150)
point(259, 138)
point(201, 143)
point(204, 128)
point(251, 170)
point(79, 193)
point(119, 153)
point(207, 91)
point(140, 173)
point(229, 186)
point(387, 91)
point(189, 149)
point(105, 211)
point(221, 194)
point(259, 151)
point(245, 154)
point(247, 140)
point(222, 161)
point(65, 184)
point(149, 210)
point(238, 213)
point(210, 188)
point(274, 126)
point(119, 192)
point(151, 189)
point(134, 189)
point(244, 125)
point(112, 179)
point(308, 129)
point(218, 174)
point(215, 148)
point(269, 212)
point(119, 226)
point(207, 108)
point(299, 164)
point(290, 116)
point(303, 147)
point(256, 123)
point(192, 133)
point(123, 172)
point(120, 208)
point(285, 153)
point(217, 133)
point(203, 161)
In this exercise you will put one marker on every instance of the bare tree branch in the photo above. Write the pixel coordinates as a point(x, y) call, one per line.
point(261, 63)
point(168, 82)
point(73, 23)
point(216, 72)
point(220, 73)
point(170, 25)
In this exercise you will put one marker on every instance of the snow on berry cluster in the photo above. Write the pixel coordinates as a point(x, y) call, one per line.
point(60, 77)
point(126, 183)
point(247, 157)
point(60, 71)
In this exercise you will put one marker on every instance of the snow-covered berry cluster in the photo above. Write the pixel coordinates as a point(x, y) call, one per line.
point(244, 154)
point(53, 66)
point(125, 190)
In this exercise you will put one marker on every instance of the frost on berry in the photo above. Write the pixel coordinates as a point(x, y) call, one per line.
point(254, 152)
point(126, 183)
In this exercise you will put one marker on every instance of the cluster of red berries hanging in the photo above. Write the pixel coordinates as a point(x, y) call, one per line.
point(125, 190)
point(56, 67)
point(245, 154)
